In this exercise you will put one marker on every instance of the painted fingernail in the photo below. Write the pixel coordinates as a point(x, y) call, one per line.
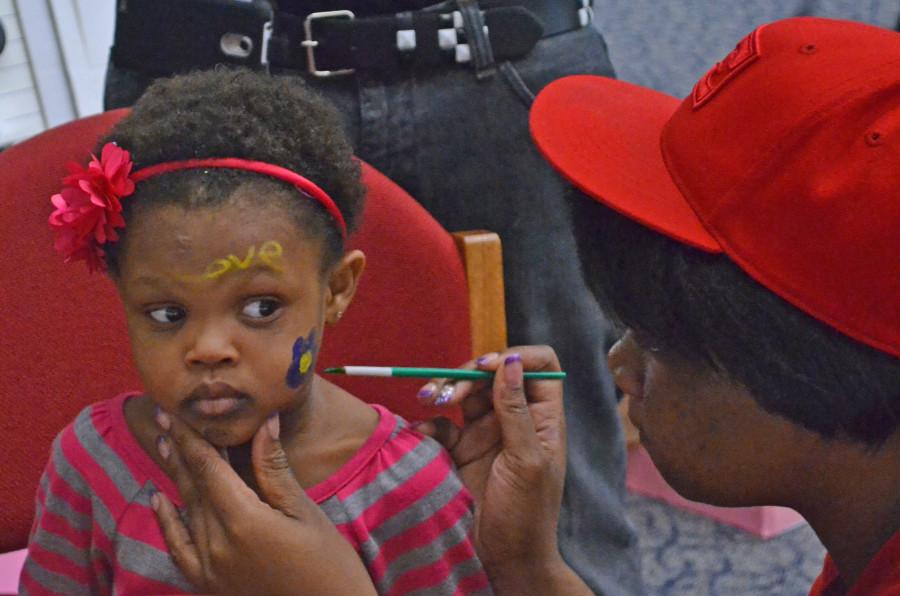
point(154, 501)
point(273, 425)
point(512, 370)
point(426, 392)
point(486, 359)
point(162, 419)
point(445, 395)
point(163, 446)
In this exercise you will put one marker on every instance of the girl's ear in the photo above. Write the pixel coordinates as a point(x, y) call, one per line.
point(342, 282)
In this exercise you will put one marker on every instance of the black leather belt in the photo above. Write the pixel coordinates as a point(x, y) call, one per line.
point(336, 42)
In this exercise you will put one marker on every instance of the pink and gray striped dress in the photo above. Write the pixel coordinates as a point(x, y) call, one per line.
point(398, 501)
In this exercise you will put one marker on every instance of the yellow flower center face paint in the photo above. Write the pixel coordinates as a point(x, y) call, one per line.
point(269, 254)
point(305, 362)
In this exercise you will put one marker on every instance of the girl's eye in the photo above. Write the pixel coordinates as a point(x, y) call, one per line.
point(261, 308)
point(167, 314)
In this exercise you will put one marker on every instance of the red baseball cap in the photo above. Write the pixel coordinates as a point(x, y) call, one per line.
point(786, 157)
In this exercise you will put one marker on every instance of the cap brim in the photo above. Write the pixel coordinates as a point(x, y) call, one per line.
point(603, 135)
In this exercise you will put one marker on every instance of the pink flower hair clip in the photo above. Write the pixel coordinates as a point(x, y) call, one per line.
point(89, 209)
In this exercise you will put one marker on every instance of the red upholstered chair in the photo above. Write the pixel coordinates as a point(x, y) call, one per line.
point(64, 341)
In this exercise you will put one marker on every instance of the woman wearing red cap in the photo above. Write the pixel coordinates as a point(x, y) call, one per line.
point(748, 240)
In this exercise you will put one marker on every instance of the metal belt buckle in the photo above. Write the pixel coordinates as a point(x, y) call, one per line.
point(310, 43)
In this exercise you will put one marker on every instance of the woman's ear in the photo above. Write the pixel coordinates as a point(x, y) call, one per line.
point(342, 282)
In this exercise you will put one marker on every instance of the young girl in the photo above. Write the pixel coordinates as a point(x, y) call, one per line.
point(219, 208)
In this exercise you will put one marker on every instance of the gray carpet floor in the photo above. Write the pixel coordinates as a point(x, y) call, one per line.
point(684, 554)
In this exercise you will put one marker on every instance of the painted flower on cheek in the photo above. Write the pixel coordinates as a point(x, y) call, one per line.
point(302, 360)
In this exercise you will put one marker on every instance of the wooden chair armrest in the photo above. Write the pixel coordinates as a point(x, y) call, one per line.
point(482, 256)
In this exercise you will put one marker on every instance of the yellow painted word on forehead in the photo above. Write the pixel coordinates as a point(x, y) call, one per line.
point(269, 254)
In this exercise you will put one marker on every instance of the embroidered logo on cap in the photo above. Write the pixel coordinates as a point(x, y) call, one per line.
point(742, 56)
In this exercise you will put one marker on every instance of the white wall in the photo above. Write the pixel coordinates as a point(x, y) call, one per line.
point(84, 29)
point(20, 111)
point(53, 68)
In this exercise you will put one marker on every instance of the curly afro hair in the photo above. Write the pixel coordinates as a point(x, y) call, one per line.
point(244, 114)
point(706, 310)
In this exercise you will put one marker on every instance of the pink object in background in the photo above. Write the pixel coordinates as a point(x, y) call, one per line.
point(766, 522)
point(10, 567)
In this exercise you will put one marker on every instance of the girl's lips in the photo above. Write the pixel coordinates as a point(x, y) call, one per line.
point(215, 399)
point(219, 406)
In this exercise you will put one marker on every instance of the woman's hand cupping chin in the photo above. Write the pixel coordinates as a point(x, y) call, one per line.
point(234, 543)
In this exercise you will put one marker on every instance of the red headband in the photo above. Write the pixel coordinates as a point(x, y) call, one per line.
point(88, 208)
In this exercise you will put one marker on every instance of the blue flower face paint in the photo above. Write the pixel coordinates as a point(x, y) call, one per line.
point(302, 360)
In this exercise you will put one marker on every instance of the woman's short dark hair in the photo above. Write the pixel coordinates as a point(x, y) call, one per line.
point(704, 308)
point(244, 114)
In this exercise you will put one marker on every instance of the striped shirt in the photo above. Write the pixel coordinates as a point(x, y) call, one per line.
point(397, 500)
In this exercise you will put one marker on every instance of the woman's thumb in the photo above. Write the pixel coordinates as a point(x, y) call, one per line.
point(273, 473)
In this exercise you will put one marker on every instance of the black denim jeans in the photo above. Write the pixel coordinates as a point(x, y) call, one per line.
point(460, 146)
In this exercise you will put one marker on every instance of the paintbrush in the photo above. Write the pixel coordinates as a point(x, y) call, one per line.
point(426, 373)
